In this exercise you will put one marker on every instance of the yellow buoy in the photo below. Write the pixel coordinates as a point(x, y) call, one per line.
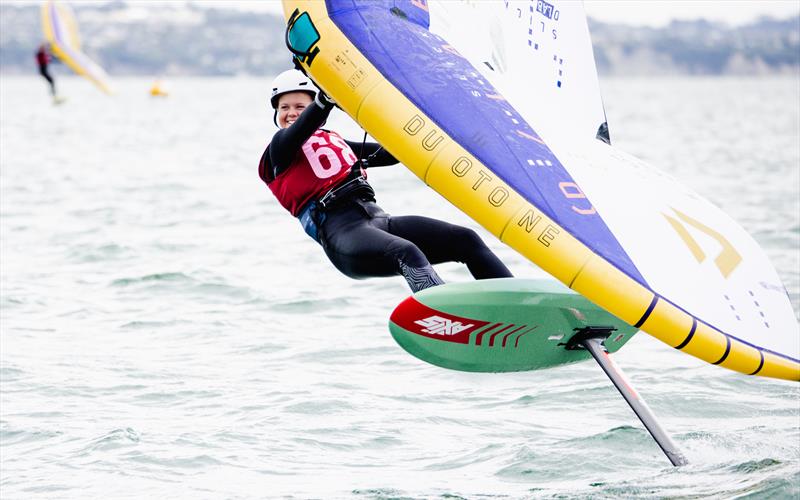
point(157, 90)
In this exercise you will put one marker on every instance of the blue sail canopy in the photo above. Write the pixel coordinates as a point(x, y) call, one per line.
point(434, 76)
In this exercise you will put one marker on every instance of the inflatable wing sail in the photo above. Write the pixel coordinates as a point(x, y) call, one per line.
point(61, 30)
point(496, 106)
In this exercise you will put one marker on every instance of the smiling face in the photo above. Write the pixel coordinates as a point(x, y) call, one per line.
point(290, 105)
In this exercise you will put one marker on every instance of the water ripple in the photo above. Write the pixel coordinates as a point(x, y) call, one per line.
point(168, 331)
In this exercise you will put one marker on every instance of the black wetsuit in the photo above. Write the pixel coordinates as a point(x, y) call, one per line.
point(42, 60)
point(363, 241)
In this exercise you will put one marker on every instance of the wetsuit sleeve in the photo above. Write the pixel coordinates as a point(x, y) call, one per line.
point(287, 141)
point(382, 159)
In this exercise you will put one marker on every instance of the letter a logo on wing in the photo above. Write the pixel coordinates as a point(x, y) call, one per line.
point(438, 325)
point(728, 258)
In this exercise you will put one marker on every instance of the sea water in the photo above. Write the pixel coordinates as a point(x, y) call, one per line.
point(167, 330)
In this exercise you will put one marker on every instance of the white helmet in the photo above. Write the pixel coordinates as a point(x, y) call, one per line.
point(291, 80)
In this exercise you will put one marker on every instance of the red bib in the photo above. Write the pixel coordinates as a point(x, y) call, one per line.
point(322, 163)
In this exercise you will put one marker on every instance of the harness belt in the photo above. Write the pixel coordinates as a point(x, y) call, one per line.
point(313, 214)
point(345, 191)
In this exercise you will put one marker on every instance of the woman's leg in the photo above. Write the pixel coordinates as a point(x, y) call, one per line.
point(359, 247)
point(444, 242)
point(46, 74)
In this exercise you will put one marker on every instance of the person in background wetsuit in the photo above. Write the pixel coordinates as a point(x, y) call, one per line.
point(316, 175)
point(43, 60)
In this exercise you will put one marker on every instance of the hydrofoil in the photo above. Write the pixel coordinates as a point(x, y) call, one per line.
point(507, 325)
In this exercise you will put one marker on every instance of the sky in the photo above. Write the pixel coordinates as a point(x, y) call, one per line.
point(654, 13)
point(662, 12)
point(638, 12)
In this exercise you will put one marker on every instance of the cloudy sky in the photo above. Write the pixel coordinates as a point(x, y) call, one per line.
point(661, 12)
point(643, 12)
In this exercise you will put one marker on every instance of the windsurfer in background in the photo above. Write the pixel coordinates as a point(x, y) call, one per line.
point(315, 174)
point(43, 58)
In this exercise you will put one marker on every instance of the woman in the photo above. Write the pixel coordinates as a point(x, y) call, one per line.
point(43, 61)
point(315, 174)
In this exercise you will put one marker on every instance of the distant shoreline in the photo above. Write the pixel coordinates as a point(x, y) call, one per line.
point(187, 40)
